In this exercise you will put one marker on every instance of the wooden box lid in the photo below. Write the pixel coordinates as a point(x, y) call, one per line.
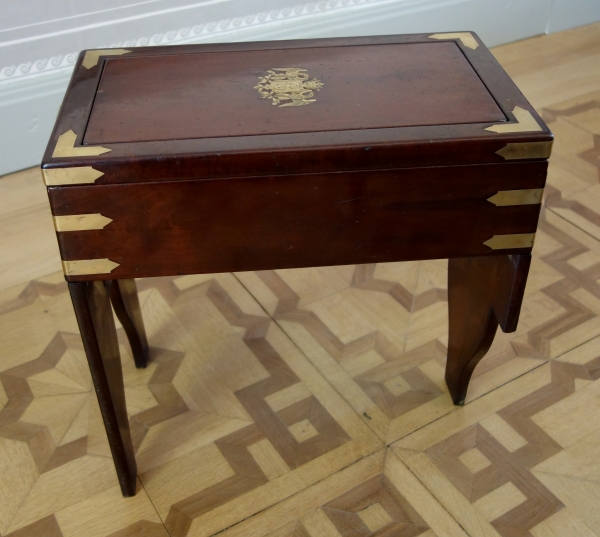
point(288, 107)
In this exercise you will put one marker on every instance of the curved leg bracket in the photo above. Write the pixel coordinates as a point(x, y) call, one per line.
point(483, 292)
point(125, 301)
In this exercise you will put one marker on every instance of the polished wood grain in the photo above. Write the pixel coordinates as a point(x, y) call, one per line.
point(429, 143)
point(393, 89)
point(482, 294)
point(94, 316)
point(244, 224)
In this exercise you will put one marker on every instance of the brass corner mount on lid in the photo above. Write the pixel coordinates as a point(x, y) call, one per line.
point(65, 147)
point(466, 38)
point(92, 56)
point(525, 122)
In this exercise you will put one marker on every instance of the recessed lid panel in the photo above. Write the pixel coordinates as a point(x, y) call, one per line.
point(210, 95)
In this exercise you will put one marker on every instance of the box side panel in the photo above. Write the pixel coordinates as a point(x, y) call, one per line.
point(186, 227)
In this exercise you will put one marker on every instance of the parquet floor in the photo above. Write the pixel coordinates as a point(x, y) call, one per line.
point(311, 402)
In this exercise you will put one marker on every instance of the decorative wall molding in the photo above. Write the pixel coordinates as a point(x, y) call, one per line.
point(195, 34)
point(47, 65)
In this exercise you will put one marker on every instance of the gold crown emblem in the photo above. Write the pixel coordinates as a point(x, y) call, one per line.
point(288, 84)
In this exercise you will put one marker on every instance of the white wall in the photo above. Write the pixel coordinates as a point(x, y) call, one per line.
point(570, 13)
point(40, 39)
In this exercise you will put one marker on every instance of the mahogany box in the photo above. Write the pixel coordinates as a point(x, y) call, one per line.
point(248, 156)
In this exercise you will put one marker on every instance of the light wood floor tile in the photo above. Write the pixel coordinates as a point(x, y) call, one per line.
point(580, 460)
point(266, 455)
point(376, 496)
point(193, 497)
point(567, 420)
point(500, 501)
point(509, 462)
point(562, 523)
point(355, 336)
point(227, 419)
point(3, 397)
point(18, 473)
point(63, 487)
point(22, 309)
point(556, 67)
point(382, 343)
point(28, 248)
point(108, 513)
point(580, 498)
point(104, 514)
point(375, 517)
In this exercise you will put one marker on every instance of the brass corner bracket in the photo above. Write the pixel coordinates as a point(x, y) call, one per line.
point(77, 175)
point(80, 222)
point(525, 150)
point(515, 240)
point(466, 38)
point(65, 147)
point(505, 198)
point(92, 56)
point(82, 267)
point(525, 123)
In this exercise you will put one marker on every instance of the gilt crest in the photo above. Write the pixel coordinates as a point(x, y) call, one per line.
point(288, 85)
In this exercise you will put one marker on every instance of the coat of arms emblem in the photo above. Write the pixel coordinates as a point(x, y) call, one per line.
point(288, 84)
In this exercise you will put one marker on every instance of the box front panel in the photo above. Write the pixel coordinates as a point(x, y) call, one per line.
point(187, 227)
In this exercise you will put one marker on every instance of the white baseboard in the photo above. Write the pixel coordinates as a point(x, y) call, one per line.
point(571, 13)
point(30, 97)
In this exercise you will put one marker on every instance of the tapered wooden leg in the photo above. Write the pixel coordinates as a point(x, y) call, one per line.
point(97, 326)
point(483, 292)
point(125, 301)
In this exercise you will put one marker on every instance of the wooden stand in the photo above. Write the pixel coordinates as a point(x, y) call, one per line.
point(483, 292)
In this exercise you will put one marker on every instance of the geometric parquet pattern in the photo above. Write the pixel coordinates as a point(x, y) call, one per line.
point(312, 403)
